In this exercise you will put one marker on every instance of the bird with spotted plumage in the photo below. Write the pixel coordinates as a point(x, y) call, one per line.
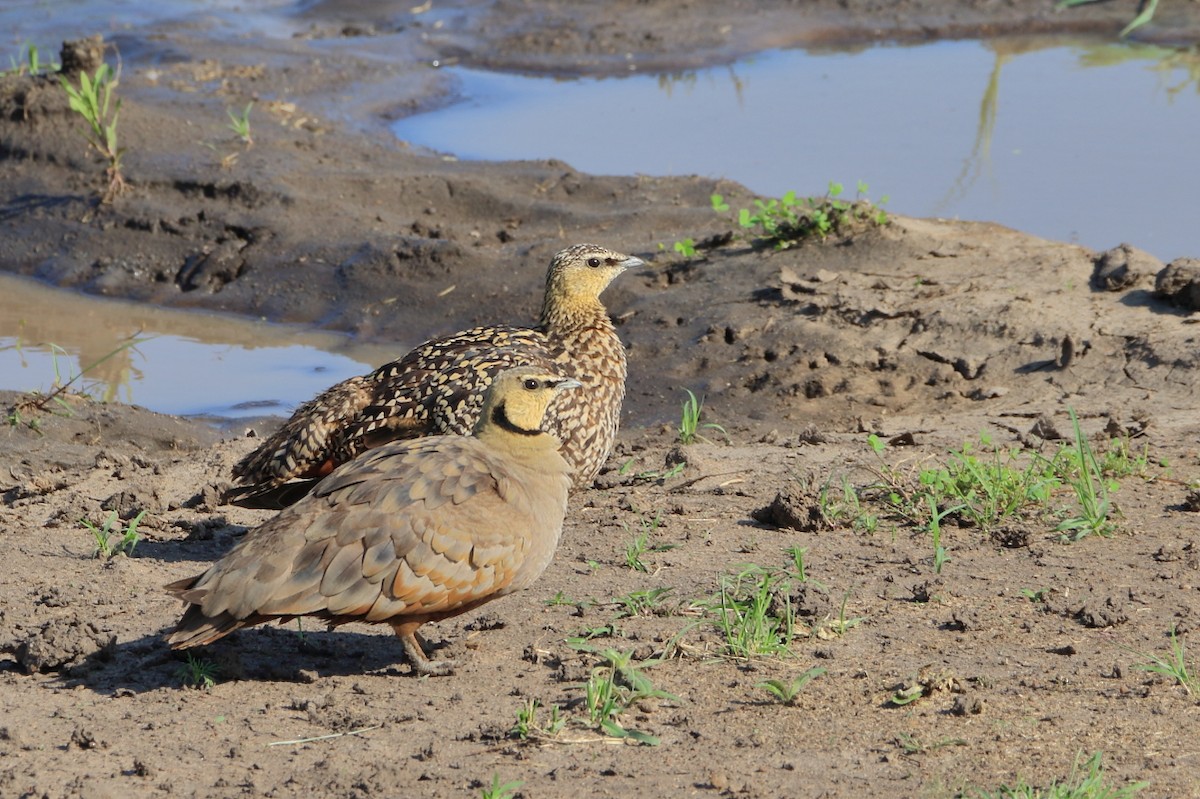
point(439, 387)
point(409, 533)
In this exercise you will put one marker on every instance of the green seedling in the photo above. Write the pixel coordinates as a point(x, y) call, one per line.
point(843, 623)
point(689, 421)
point(640, 545)
point(32, 65)
point(907, 695)
point(110, 540)
point(528, 726)
point(686, 248)
point(615, 686)
point(985, 485)
point(754, 612)
point(1037, 596)
point(240, 124)
point(1081, 470)
point(845, 505)
point(498, 790)
point(790, 219)
point(1173, 666)
point(93, 99)
point(940, 558)
point(39, 402)
point(560, 599)
point(648, 602)
point(788, 692)
point(1086, 783)
point(198, 673)
point(1144, 15)
point(718, 203)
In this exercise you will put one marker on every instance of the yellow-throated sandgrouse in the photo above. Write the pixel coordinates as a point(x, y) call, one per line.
point(411, 532)
point(439, 387)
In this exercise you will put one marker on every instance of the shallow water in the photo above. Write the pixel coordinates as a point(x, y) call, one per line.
point(183, 362)
point(1074, 141)
point(1071, 140)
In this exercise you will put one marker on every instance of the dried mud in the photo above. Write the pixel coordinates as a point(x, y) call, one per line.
point(1025, 649)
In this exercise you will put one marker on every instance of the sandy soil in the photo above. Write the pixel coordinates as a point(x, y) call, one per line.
point(1023, 651)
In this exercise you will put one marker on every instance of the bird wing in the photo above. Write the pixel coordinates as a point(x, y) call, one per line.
point(437, 387)
point(411, 529)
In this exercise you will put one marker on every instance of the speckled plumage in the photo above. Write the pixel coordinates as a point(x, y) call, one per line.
point(411, 532)
point(439, 388)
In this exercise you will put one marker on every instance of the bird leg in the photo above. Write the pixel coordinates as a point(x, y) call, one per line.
point(421, 664)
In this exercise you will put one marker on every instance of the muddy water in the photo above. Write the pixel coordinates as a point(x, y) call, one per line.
point(181, 362)
point(1075, 141)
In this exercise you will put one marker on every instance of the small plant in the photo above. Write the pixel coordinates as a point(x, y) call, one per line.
point(754, 612)
point(110, 540)
point(1174, 666)
point(836, 506)
point(843, 623)
point(1081, 470)
point(647, 602)
point(940, 558)
point(240, 124)
point(788, 692)
point(1145, 15)
point(689, 421)
point(498, 790)
point(640, 544)
point(1038, 596)
point(984, 485)
point(1088, 783)
point(686, 248)
point(93, 100)
point(528, 726)
point(198, 673)
point(615, 686)
point(790, 219)
point(32, 65)
point(40, 402)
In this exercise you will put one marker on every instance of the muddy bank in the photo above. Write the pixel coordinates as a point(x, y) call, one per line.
point(1017, 653)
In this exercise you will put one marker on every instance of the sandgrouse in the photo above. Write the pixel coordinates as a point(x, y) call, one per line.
point(411, 532)
point(439, 387)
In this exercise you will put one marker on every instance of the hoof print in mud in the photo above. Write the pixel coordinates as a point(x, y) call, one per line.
point(213, 270)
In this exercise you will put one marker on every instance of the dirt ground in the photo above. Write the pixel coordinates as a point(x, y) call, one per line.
point(1021, 655)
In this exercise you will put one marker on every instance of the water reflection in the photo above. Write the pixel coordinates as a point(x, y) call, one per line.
point(171, 361)
point(1035, 133)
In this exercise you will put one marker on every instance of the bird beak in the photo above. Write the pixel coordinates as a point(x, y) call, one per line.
point(632, 262)
point(566, 383)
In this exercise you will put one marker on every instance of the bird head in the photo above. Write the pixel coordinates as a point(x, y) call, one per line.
point(583, 271)
point(518, 398)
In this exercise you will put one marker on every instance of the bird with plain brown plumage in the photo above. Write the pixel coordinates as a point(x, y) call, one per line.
point(439, 387)
point(409, 533)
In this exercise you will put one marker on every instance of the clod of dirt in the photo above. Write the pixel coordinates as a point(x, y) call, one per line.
point(1044, 429)
point(81, 55)
point(1192, 501)
point(794, 510)
point(1099, 613)
point(1179, 283)
point(63, 642)
point(1122, 267)
point(967, 706)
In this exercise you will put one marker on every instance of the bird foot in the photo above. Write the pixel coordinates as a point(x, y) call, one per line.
point(432, 668)
point(421, 664)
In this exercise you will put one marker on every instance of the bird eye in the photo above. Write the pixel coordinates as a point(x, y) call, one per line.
point(593, 262)
point(530, 384)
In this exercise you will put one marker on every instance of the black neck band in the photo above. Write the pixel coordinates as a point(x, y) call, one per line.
point(501, 420)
